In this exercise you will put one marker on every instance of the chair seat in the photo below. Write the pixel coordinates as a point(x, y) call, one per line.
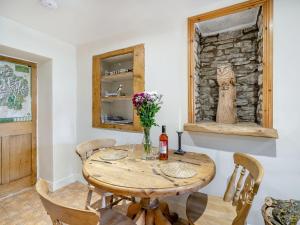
point(204, 209)
point(111, 217)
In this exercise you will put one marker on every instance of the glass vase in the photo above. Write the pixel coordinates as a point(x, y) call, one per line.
point(148, 153)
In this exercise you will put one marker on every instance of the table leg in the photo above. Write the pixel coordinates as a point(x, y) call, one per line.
point(133, 210)
point(159, 218)
point(164, 208)
point(172, 217)
point(150, 217)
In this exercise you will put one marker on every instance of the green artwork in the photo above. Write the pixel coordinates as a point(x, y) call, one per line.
point(15, 92)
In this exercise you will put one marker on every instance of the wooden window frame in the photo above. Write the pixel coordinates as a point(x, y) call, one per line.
point(267, 7)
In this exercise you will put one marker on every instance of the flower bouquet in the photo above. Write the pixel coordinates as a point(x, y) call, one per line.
point(147, 104)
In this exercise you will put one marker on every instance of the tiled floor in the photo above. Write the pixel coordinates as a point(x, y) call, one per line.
point(26, 208)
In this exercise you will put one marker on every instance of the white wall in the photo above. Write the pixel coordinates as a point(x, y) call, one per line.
point(44, 121)
point(56, 152)
point(166, 71)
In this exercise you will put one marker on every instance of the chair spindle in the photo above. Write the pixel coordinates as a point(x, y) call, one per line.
point(229, 193)
point(239, 187)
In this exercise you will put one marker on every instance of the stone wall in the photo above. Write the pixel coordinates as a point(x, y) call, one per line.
point(239, 48)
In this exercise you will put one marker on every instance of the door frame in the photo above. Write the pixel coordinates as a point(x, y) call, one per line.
point(9, 127)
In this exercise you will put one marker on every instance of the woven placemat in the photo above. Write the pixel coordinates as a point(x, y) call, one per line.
point(178, 170)
point(110, 154)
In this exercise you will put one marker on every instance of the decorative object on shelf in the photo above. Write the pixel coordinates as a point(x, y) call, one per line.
point(147, 104)
point(226, 112)
point(117, 93)
point(118, 78)
point(119, 90)
point(115, 119)
point(107, 73)
point(179, 151)
point(281, 212)
point(110, 94)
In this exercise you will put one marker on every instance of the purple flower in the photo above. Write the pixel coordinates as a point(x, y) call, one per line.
point(147, 104)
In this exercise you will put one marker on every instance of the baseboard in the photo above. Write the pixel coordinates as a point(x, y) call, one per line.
point(53, 186)
point(62, 182)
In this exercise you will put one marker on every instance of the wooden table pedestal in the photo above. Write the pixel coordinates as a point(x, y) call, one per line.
point(151, 212)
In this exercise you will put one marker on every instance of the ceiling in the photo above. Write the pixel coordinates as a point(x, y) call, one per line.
point(230, 22)
point(81, 21)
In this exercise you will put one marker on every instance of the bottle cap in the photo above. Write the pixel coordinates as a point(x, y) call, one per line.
point(163, 128)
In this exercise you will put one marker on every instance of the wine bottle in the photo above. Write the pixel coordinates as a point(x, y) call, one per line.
point(163, 144)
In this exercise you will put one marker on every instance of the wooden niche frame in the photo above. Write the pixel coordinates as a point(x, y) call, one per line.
point(266, 130)
point(138, 77)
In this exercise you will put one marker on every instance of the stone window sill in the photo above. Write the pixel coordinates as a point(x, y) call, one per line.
point(241, 129)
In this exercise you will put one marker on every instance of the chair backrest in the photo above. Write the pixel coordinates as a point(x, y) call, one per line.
point(241, 191)
point(86, 149)
point(61, 214)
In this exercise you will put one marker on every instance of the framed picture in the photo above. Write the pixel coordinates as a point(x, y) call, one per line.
point(15, 92)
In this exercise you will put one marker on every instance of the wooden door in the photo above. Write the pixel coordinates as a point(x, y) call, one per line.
point(17, 125)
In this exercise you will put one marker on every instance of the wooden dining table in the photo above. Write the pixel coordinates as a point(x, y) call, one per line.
point(135, 177)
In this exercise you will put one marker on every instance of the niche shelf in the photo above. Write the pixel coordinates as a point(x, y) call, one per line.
point(241, 129)
point(117, 75)
point(117, 98)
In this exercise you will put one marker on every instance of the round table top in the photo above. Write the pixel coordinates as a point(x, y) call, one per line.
point(143, 178)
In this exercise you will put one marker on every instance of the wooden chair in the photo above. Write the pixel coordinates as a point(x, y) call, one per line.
point(61, 214)
point(233, 208)
point(85, 150)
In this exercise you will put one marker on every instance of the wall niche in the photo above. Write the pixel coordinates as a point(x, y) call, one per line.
point(238, 38)
point(241, 47)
